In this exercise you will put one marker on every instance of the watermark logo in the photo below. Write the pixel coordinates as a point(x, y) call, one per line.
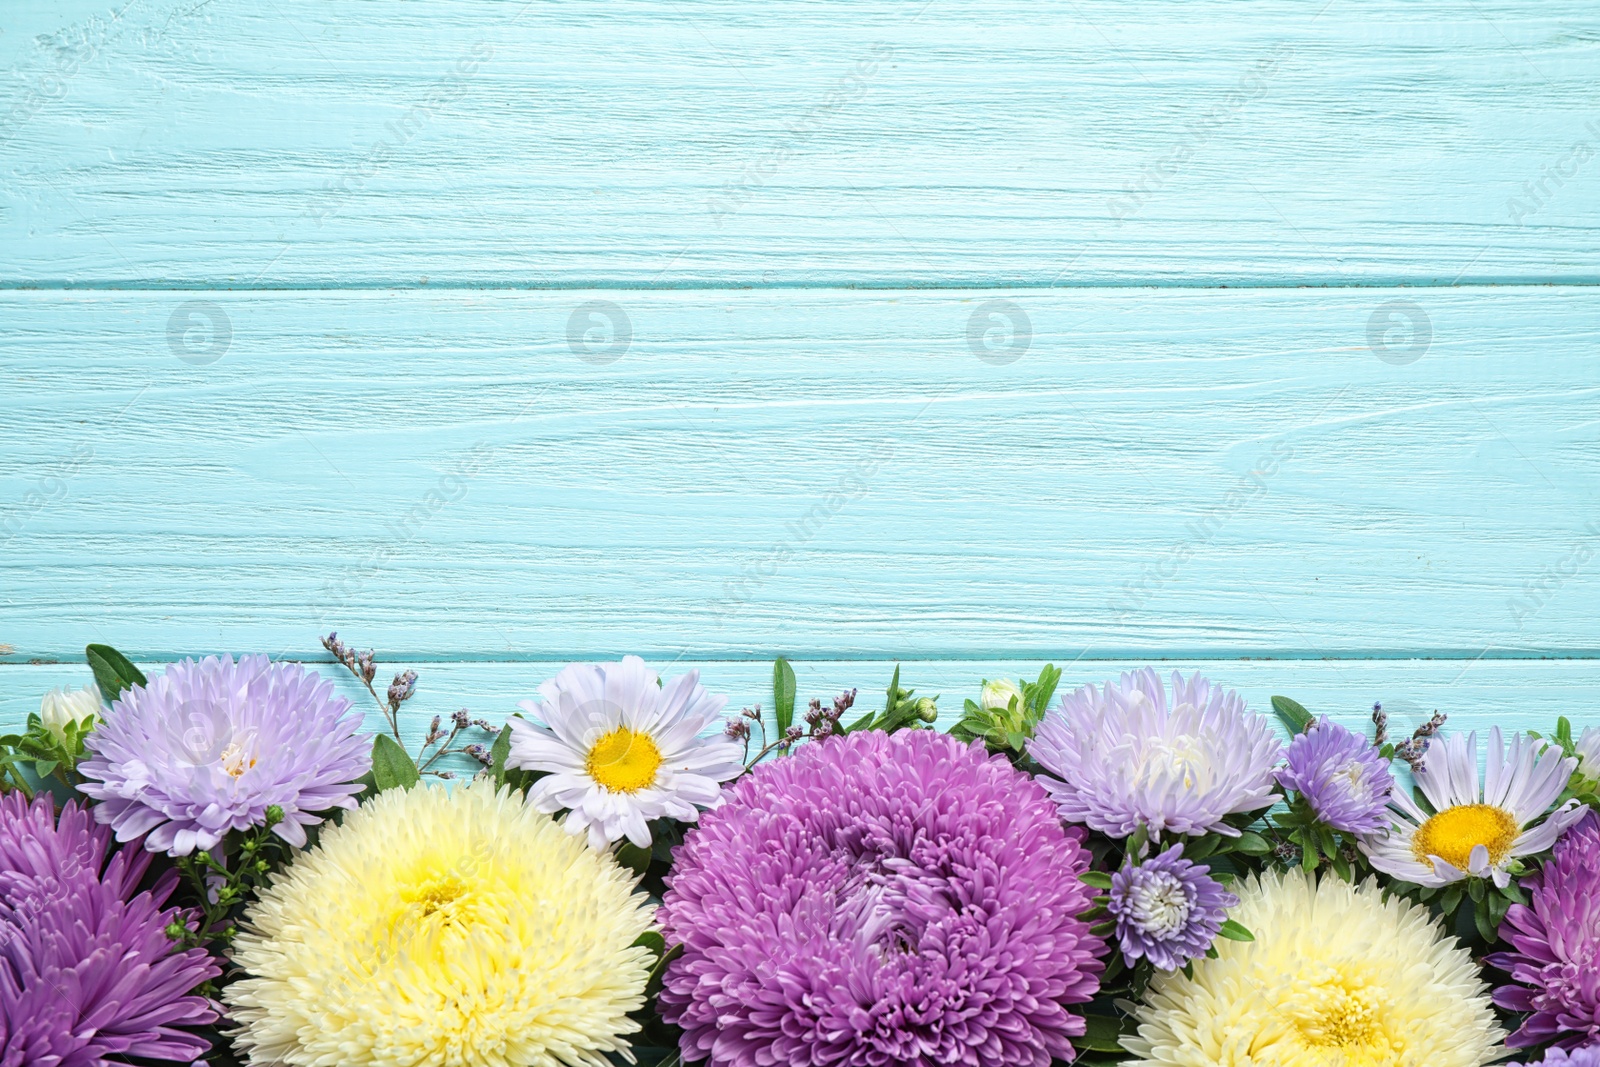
point(999, 332)
point(599, 332)
point(1399, 332)
point(199, 332)
point(201, 733)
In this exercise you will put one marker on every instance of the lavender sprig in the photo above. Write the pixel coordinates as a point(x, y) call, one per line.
point(404, 686)
point(1416, 747)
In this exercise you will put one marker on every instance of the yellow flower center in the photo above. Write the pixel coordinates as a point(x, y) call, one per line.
point(1455, 832)
point(624, 761)
point(234, 761)
point(434, 894)
point(1339, 1016)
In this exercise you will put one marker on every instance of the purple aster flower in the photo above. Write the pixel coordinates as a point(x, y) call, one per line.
point(876, 900)
point(1168, 910)
point(208, 746)
point(1345, 780)
point(1130, 756)
point(1555, 939)
point(1588, 1056)
point(87, 971)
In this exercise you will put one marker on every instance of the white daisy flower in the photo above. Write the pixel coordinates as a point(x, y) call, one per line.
point(1474, 832)
point(622, 748)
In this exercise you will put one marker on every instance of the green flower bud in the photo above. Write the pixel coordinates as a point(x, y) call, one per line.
point(274, 816)
point(927, 709)
point(998, 694)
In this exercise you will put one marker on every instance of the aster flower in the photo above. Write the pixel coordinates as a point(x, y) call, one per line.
point(1475, 831)
point(87, 971)
point(880, 899)
point(442, 926)
point(1167, 909)
point(1588, 1056)
point(207, 746)
point(1336, 975)
point(1345, 780)
point(1555, 946)
point(622, 748)
point(1128, 756)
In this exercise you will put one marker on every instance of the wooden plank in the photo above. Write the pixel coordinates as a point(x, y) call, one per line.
point(832, 475)
point(1514, 694)
point(957, 143)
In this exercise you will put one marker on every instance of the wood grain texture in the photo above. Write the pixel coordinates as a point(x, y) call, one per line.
point(1510, 693)
point(946, 143)
point(827, 475)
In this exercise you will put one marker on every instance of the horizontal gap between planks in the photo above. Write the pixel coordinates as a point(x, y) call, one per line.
point(878, 656)
point(956, 283)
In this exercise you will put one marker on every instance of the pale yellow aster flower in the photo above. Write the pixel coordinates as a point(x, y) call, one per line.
point(1336, 977)
point(447, 928)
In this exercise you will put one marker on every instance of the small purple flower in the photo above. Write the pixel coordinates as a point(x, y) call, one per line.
point(88, 974)
point(1344, 779)
point(1588, 1056)
point(1555, 939)
point(1168, 910)
point(209, 745)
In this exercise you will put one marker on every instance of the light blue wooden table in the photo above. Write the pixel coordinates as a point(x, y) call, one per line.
point(1260, 336)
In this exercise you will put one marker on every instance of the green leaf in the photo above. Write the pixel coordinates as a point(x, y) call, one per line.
point(1486, 926)
point(652, 941)
point(1098, 879)
point(1294, 716)
point(783, 694)
point(1252, 844)
point(113, 672)
point(1451, 899)
point(652, 985)
point(45, 768)
point(634, 858)
point(1236, 931)
point(391, 765)
point(1040, 692)
point(499, 753)
point(1101, 1034)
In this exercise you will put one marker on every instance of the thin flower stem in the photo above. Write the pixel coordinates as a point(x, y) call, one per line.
point(390, 716)
point(782, 742)
point(444, 749)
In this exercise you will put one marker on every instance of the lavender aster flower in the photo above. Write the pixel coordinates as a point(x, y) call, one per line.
point(1555, 941)
point(87, 971)
point(207, 746)
point(1343, 778)
point(878, 900)
point(1588, 1056)
point(1127, 756)
point(1168, 910)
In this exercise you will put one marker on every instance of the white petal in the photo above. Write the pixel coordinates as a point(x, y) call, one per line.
point(1502, 772)
point(1542, 786)
point(1400, 797)
point(1538, 838)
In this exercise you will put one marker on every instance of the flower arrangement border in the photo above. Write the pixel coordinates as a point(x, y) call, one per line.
point(219, 863)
